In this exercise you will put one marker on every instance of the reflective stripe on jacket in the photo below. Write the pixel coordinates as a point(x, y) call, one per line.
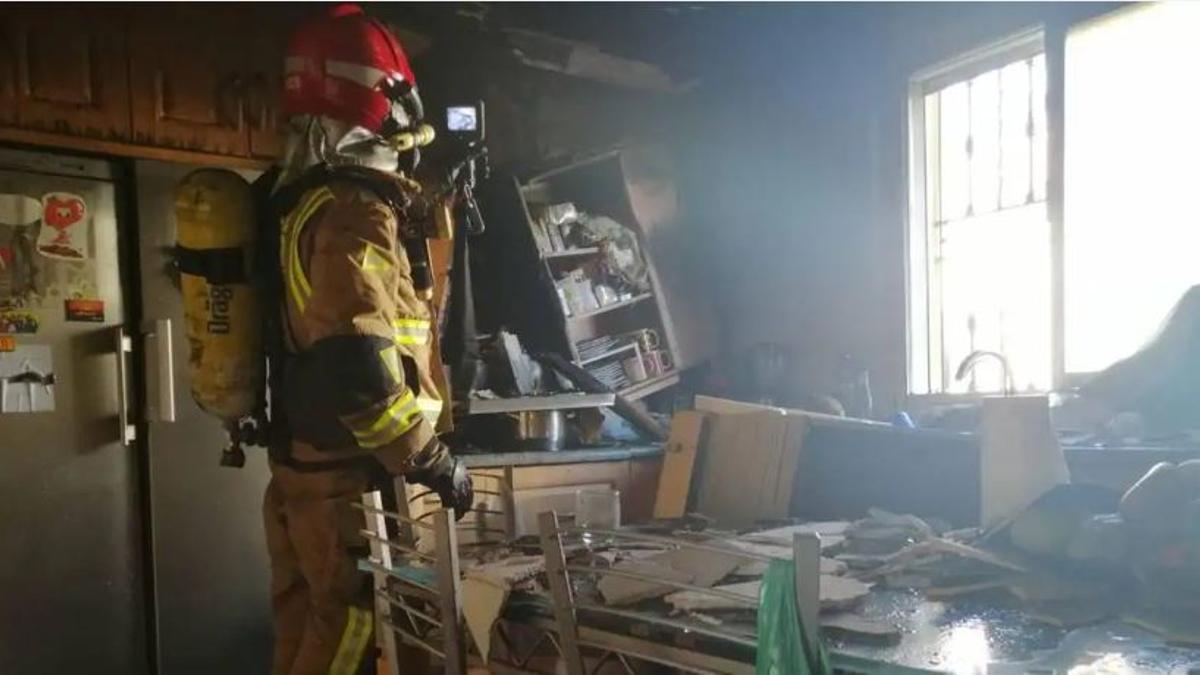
point(346, 274)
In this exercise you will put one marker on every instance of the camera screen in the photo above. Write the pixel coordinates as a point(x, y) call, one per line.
point(462, 118)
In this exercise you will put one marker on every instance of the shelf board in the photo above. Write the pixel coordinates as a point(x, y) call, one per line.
point(572, 253)
point(650, 386)
point(587, 161)
point(568, 401)
point(608, 308)
point(607, 354)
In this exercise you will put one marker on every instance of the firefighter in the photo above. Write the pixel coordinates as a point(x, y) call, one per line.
point(358, 390)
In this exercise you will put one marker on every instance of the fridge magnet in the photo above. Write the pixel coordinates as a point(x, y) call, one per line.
point(18, 321)
point(86, 311)
point(64, 227)
point(27, 380)
point(19, 215)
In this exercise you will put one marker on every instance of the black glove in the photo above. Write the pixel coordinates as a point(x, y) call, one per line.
point(447, 476)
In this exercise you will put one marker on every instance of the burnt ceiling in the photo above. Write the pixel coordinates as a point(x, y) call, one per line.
point(687, 40)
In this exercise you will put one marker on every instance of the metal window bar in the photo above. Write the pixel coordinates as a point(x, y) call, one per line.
point(934, 271)
point(1029, 128)
point(806, 548)
point(954, 221)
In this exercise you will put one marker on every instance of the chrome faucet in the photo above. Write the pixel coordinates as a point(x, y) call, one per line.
point(968, 364)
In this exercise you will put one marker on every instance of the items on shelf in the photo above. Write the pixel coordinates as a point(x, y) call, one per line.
point(596, 347)
point(616, 274)
point(624, 360)
point(612, 375)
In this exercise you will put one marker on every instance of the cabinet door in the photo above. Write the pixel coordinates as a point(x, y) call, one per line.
point(69, 64)
point(187, 78)
point(8, 71)
point(264, 87)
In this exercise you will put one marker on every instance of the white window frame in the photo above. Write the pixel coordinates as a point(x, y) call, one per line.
point(918, 250)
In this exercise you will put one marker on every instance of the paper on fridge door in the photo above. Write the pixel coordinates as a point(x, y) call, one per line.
point(64, 232)
point(27, 380)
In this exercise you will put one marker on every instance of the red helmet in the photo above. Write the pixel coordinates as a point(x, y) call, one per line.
point(345, 65)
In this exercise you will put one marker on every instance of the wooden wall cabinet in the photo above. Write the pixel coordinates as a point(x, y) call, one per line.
point(65, 70)
point(180, 76)
point(186, 68)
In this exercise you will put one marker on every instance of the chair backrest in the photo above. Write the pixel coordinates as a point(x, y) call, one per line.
point(404, 577)
point(568, 607)
point(492, 518)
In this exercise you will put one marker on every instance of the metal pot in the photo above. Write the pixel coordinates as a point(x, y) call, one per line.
point(540, 429)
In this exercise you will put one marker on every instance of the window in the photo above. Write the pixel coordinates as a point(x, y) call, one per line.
point(979, 241)
point(1131, 228)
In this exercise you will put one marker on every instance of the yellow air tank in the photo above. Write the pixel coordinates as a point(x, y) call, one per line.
point(216, 231)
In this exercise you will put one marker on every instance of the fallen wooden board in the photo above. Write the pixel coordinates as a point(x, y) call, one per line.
point(1020, 458)
point(749, 466)
point(831, 532)
point(679, 460)
point(625, 591)
point(507, 570)
point(483, 600)
point(1175, 626)
point(757, 568)
point(836, 593)
point(704, 568)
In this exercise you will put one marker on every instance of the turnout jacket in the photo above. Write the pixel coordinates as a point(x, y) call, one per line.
point(359, 377)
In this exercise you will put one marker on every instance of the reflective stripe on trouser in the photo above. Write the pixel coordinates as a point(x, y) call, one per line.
point(293, 223)
point(411, 331)
point(313, 542)
point(354, 642)
point(392, 423)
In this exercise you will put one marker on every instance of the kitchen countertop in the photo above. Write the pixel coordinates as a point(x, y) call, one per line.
point(617, 453)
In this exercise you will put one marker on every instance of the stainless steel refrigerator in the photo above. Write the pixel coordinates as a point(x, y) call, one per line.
point(126, 547)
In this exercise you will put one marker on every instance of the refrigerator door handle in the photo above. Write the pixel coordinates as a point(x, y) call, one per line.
point(124, 345)
point(164, 352)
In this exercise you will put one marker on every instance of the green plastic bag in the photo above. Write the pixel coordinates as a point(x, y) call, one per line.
point(783, 648)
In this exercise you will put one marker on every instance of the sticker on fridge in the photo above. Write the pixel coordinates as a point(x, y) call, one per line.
point(87, 311)
point(18, 321)
point(64, 231)
point(27, 380)
point(19, 272)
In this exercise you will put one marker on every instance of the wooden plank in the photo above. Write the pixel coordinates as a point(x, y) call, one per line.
point(557, 475)
point(730, 406)
point(741, 462)
point(1020, 458)
point(92, 145)
point(791, 455)
point(679, 459)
